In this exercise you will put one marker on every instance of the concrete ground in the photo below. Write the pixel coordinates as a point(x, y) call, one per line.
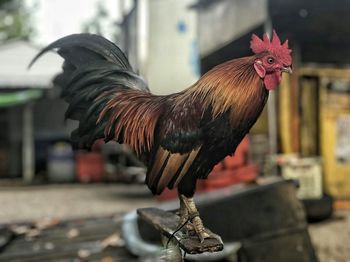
point(70, 201)
point(331, 238)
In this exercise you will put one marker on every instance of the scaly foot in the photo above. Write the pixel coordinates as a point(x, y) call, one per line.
point(188, 212)
point(185, 218)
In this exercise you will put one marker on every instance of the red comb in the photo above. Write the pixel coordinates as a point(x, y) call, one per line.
point(274, 46)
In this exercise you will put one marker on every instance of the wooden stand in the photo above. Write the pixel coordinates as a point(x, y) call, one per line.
point(167, 223)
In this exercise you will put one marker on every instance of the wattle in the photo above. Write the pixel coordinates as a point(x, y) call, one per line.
point(272, 80)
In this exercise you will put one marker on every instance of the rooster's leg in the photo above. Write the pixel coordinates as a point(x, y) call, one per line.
point(184, 216)
point(193, 215)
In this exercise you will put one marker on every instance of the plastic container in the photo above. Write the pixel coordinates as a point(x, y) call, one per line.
point(308, 172)
point(60, 163)
point(89, 167)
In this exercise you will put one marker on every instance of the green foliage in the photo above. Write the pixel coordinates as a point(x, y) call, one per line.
point(14, 20)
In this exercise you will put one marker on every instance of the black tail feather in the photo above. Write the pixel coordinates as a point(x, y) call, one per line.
point(93, 65)
point(95, 43)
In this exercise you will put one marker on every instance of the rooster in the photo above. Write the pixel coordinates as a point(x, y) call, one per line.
point(181, 136)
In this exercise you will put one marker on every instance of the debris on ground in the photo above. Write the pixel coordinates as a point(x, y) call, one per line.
point(90, 239)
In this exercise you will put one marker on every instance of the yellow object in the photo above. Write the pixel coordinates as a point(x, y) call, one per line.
point(334, 112)
point(285, 122)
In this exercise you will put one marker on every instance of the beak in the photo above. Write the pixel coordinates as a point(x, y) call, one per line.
point(287, 69)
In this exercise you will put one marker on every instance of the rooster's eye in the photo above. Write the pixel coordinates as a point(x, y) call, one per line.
point(270, 60)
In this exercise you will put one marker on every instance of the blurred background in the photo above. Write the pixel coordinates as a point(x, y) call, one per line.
point(303, 133)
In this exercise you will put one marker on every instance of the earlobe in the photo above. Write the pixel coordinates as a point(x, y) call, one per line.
point(260, 70)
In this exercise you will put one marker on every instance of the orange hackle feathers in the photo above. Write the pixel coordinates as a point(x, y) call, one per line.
point(231, 84)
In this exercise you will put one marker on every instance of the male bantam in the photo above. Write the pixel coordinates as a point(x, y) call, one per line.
point(181, 136)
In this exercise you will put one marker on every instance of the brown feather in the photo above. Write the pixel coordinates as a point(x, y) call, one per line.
point(174, 163)
point(160, 159)
point(134, 115)
point(233, 84)
point(187, 165)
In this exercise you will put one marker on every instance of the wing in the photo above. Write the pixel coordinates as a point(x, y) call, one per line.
point(179, 144)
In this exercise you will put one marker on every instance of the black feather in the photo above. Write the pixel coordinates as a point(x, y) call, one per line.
point(94, 43)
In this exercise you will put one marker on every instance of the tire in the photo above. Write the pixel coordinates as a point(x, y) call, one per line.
point(318, 209)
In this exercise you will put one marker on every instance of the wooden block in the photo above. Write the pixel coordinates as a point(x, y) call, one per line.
point(167, 223)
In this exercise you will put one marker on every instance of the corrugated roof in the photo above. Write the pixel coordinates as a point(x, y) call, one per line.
point(14, 59)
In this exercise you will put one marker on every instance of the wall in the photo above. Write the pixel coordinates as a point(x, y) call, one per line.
point(223, 21)
point(172, 63)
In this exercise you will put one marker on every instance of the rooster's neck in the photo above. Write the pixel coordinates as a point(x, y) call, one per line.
point(233, 86)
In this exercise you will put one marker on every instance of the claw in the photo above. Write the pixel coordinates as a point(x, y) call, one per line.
point(203, 235)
